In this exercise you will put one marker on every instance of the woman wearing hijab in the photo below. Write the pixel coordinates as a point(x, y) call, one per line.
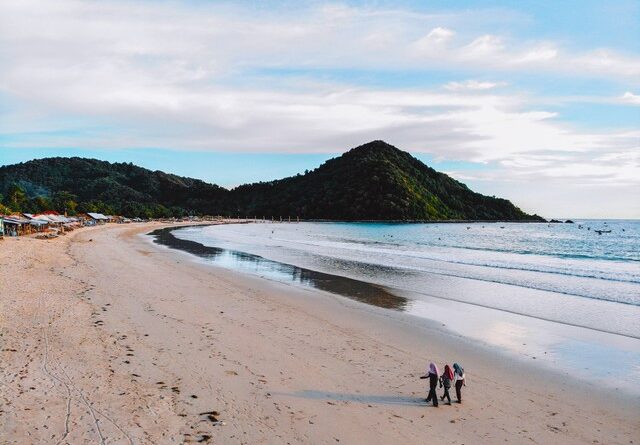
point(445, 381)
point(432, 375)
point(458, 378)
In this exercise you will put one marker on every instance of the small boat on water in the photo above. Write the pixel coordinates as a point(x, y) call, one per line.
point(600, 232)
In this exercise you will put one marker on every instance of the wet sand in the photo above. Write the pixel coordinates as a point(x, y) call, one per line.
point(347, 287)
point(107, 338)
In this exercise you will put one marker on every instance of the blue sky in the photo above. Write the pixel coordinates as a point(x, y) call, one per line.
point(536, 101)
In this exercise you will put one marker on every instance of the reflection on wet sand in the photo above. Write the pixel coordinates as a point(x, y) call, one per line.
point(347, 287)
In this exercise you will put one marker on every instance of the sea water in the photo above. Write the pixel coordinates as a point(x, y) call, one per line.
point(557, 292)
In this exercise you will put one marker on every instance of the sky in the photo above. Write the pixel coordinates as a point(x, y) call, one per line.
point(534, 101)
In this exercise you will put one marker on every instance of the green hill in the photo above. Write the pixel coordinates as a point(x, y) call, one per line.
point(375, 181)
point(112, 188)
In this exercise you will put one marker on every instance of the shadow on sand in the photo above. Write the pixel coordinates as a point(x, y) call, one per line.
point(357, 398)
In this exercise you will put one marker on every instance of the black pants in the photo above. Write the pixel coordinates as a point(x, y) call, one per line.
point(432, 396)
point(446, 394)
point(459, 390)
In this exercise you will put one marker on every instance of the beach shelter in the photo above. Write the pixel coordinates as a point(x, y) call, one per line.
point(98, 218)
point(16, 226)
point(40, 222)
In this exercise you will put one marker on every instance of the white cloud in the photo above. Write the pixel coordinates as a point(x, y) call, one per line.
point(605, 63)
point(483, 46)
point(439, 35)
point(434, 45)
point(473, 85)
point(631, 98)
point(541, 53)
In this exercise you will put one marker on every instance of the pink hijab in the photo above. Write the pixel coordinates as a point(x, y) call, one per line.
point(433, 369)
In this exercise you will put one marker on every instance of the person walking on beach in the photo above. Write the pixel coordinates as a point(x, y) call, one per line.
point(432, 375)
point(445, 381)
point(458, 378)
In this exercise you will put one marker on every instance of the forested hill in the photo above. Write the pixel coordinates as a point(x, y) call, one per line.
point(375, 181)
point(90, 185)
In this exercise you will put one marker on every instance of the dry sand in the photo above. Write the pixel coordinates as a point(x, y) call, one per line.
point(106, 338)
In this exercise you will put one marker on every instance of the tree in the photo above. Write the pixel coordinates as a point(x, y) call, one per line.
point(65, 202)
point(86, 207)
point(42, 203)
point(4, 210)
point(16, 198)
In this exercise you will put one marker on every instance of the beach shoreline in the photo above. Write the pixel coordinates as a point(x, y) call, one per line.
point(558, 345)
point(114, 337)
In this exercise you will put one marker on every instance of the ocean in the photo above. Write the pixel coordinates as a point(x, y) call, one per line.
point(554, 292)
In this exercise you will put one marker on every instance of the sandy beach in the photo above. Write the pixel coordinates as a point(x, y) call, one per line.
point(108, 338)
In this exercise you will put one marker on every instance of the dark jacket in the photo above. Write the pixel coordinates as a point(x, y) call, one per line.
point(433, 381)
point(445, 381)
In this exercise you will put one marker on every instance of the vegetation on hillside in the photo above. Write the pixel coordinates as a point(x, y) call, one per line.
point(375, 181)
point(89, 185)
